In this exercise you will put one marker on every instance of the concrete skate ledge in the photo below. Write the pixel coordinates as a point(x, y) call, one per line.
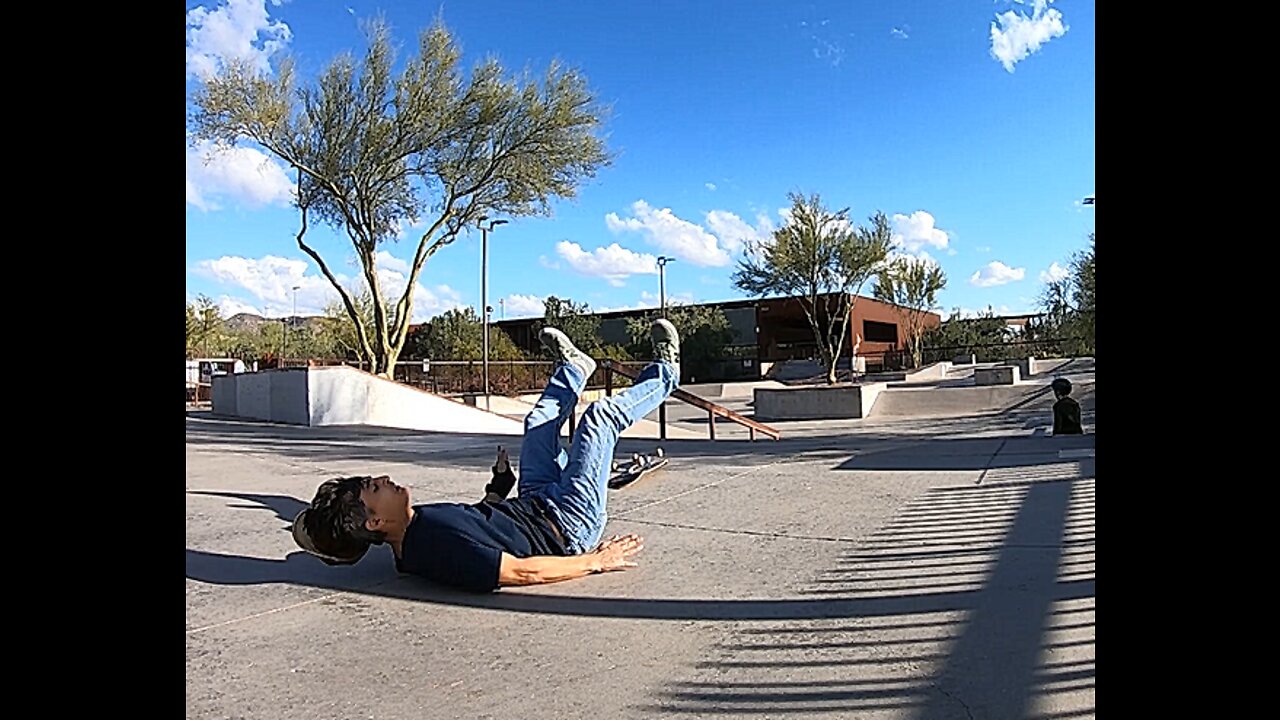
point(340, 395)
point(998, 375)
point(817, 402)
point(936, 371)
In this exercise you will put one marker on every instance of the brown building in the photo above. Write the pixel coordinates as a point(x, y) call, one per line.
point(766, 331)
point(875, 327)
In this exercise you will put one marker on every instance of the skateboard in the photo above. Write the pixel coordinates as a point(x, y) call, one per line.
point(625, 473)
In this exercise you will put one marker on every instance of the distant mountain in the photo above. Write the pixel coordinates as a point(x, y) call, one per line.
point(249, 321)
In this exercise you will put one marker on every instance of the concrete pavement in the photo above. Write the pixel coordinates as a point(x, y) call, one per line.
point(898, 567)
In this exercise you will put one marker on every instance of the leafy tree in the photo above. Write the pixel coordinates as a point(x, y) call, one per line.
point(417, 344)
point(574, 320)
point(822, 260)
point(705, 334)
point(458, 335)
point(1068, 306)
point(958, 335)
point(375, 152)
point(913, 285)
point(1082, 266)
point(455, 335)
point(205, 328)
point(340, 334)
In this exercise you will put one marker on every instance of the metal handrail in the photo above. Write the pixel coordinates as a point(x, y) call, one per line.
point(713, 410)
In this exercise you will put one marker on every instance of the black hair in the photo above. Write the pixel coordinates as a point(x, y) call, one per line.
point(1061, 386)
point(335, 522)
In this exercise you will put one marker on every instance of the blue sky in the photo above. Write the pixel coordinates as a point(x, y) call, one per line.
point(970, 123)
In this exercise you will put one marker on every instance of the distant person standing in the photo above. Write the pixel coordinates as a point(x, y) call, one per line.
point(1066, 411)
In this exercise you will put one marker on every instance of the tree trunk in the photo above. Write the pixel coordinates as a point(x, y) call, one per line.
point(831, 353)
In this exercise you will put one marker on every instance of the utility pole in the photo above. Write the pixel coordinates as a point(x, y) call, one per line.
point(662, 302)
point(484, 295)
point(662, 282)
point(294, 317)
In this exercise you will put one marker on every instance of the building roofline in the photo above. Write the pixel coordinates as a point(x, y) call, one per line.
point(736, 303)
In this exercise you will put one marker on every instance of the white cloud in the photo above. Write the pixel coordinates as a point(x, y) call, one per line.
point(650, 300)
point(653, 299)
point(393, 276)
point(912, 233)
point(230, 307)
point(681, 238)
point(548, 264)
point(1055, 273)
point(711, 186)
point(387, 261)
point(270, 281)
point(921, 256)
point(734, 232)
point(236, 29)
point(242, 174)
point(832, 52)
point(525, 306)
point(899, 32)
point(642, 305)
point(429, 302)
point(689, 241)
point(996, 273)
point(983, 248)
point(1019, 35)
point(614, 263)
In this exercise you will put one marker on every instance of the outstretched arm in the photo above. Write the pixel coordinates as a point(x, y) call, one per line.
point(612, 554)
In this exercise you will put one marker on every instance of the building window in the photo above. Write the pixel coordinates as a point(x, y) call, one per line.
point(873, 331)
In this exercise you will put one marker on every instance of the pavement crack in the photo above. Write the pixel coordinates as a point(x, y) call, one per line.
point(967, 711)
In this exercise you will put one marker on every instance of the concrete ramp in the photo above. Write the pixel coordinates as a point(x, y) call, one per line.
point(967, 400)
point(944, 401)
point(340, 395)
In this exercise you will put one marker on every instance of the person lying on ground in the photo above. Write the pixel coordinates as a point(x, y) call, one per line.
point(550, 532)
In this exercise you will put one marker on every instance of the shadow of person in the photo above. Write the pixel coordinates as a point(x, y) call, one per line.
point(286, 508)
point(375, 575)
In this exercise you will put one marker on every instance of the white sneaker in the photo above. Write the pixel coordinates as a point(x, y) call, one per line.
point(666, 341)
point(563, 349)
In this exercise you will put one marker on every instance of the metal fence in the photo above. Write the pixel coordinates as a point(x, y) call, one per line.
point(894, 360)
point(506, 377)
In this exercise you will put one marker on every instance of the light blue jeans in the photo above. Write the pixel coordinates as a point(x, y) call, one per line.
point(575, 484)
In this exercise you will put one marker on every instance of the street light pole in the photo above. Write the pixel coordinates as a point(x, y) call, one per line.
point(295, 308)
point(662, 282)
point(484, 295)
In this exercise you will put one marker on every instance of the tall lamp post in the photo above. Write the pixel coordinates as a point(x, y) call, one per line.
point(484, 295)
point(662, 282)
point(662, 303)
point(293, 318)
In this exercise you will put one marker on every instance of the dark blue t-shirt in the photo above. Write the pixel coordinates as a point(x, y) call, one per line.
point(462, 545)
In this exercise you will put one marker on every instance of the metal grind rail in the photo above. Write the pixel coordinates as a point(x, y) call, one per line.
point(713, 410)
